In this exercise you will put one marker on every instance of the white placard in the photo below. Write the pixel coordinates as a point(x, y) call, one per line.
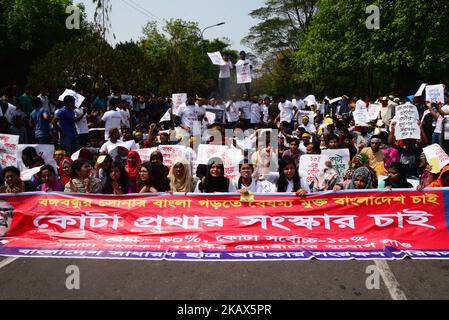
point(360, 114)
point(373, 111)
point(435, 93)
point(420, 90)
point(339, 158)
point(78, 98)
point(216, 58)
point(171, 152)
point(8, 150)
point(310, 100)
point(166, 117)
point(145, 154)
point(407, 122)
point(335, 100)
point(231, 158)
point(436, 157)
point(178, 99)
point(243, 70)
point(304, 113)
point(309, 167)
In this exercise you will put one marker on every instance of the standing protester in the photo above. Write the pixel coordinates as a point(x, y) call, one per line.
point(224, 78)
point(246, 63)
point(66, 117)
point(41, 119)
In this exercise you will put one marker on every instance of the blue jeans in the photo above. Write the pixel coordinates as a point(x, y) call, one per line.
point(436, 138)
point(69, 145)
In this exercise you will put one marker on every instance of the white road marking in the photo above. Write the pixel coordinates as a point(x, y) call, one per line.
point(390, 280)
point(7, 261)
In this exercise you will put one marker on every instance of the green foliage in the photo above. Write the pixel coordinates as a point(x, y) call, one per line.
point(339, 54)
point(29, 29)
point(166, 63)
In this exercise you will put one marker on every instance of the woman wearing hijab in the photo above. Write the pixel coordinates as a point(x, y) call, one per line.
point(442, 181)
point(180, 178)
point(132, 168)
point(397, 177)
point(65, 171)
point(214, 181)
point(361, 179)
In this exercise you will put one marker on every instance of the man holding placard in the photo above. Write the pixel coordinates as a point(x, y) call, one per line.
point(224, 78)
point(244, 68)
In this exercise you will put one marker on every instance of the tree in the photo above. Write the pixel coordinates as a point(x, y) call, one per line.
point(340, 54)
point(29, 29)
point(282, 21)
point(102, 17)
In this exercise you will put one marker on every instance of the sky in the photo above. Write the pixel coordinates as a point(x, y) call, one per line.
point(129, 16)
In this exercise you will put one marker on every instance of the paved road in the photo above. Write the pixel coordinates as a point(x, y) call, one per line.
point(113, 279)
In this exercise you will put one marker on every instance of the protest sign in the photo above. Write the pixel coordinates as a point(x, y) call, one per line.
point(309, 167)
point(45, 151)
point(243, 70)
point(407, 122)
point(78, 98)
point(210, 116)
point(178, 99)
point(339, 158)
point(310, 100)
point(360, 114)
point(420, 90)
point(304, 113)
point(166, 117)
point(145, 154)
point(216, 58)
point(128, 98)
point(435, 93)
point(26, 175)
point(335, 100)
point(207, 227)
point(8, 150)
point(373, 111)
point(171, 152)
point(230, 158)
point(436, 157)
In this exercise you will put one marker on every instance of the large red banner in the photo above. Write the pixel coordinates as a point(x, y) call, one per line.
point(363, 225)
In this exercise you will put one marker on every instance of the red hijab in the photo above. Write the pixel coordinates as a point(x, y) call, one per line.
point(62, 176)
point(134, 170)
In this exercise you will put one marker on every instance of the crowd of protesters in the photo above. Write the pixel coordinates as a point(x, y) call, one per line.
point(107, 130)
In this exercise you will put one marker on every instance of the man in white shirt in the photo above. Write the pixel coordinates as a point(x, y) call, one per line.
point(124, 113)
point(224, 78)
point(440, 115)
point(246, 62)
point(309, 127)
point(287, 112)
point(255, 113)
point(112, 119)
point(232, 112)
point(189, 115)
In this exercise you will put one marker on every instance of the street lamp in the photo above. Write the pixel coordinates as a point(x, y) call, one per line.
point(202, 33)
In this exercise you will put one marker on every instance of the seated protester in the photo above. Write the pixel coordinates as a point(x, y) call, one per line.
point(246, 183)
point(293, 152)
point(214, 181)
point(50, 182)
point(117, 181)
point(27, 156)
point(305, 141)
point(13, 183)
point(443, 179)
point(58, 156)
point(83, 182)
point(332, 141)
point(36, 162)
point(65, 170)
point(409, 151)
point(397, 177)
point(110, 145)
point(153, 179)
point(361, 179)
point(376, 156)
point(102, 165)
point(327, 179)
point(360, 160)
point(348, 143)
point(180, 178)
point(133, 163)
point(289, 180)
point(426, 176)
